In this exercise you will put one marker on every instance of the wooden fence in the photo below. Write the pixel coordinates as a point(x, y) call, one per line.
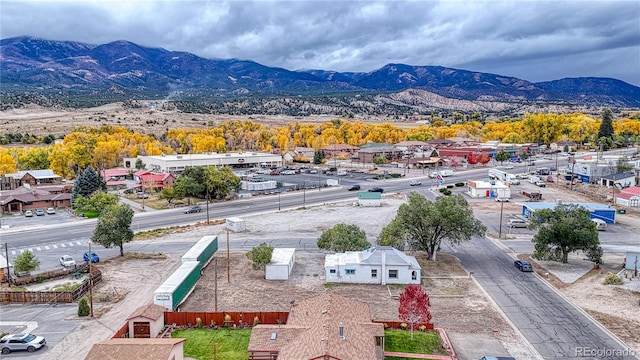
point(123, 332)
point(213, 319)
point(40, 297)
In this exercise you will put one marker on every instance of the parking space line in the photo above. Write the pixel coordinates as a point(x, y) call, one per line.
point(79, 243)
point(46, 248)
point(63, 245)
point(38, 248)
point(71, 244)
point(55, 246)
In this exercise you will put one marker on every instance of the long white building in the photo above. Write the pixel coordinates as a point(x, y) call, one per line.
point(178, 162)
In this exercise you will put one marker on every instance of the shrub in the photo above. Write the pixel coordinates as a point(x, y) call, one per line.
point(256, 321)
point(40, 279)
point(198, 323)
point(450, 186)
point(442, 190)
point(83, 307)
point(385, 325)
point(423, 328)
point(404, 326)
point(612, 279)
point(446, 192)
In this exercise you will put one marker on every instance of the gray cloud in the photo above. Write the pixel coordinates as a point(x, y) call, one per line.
point(532, 40)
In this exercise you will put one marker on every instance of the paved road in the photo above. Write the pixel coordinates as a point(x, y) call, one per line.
point(553, 326)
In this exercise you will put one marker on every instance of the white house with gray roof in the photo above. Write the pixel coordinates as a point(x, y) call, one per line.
point(378, 265)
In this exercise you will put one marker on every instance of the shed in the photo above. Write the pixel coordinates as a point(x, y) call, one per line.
point(3, 268)
point(146, 321)
point(369, 198)
point(489, 189)
point(236, 224)
point(632, 261)
point(598, 211)
point(629, 197)
point(282, 260)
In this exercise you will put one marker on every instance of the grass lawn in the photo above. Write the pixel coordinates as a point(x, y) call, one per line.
point(199, 344)
point(422, 343)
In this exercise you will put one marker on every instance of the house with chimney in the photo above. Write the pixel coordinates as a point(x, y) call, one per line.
point(30, 198)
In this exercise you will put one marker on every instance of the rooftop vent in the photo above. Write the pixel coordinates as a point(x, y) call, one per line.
point(274, 335)
point(341, 328)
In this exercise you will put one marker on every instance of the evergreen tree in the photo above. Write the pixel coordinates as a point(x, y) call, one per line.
point(606, 127)
point(87, 183)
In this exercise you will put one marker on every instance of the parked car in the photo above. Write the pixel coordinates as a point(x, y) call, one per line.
point(376, 189)
point(313, 171)
point(540, 183)
point(142, 195)
point(415, 183)
point(193, 209)
point(51, 211)
point(39, 212)
point(21, 342)
point(28, 213)
point(523, 265)
point(601, 225)
point(354, 187)
point(502, 199)
point(67, 261)
point(288, 172)
point(517, 223)
point(508, 167)
point(91, 255)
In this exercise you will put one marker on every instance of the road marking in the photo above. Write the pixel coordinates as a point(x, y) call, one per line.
point(71, 244)
point(63, 245)
point(13, 252)
point(38, 248)
point(79, 243)
point(55, 246)
point(29, 325)
point(46, 248)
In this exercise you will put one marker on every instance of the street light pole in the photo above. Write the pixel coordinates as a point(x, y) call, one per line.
point(500, 229)
point(278, 201)
point(304, 194)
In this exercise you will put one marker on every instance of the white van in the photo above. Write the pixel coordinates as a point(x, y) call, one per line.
point(600, 224)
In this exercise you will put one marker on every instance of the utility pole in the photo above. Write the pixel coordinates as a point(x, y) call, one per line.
point(91, 280)
point(500, 229)
point(6, 253)
point(228, 260)
point(304, 194)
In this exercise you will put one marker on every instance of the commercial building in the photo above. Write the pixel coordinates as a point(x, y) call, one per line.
point(177, 163)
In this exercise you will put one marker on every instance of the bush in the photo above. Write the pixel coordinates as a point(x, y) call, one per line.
point(612, 279)
point(442, 190)
point(198, 323)
point(459, 184)
point(404, 326)
point(446, 192)
point(40, 279)
point(83, 307)
point(449, 186)
point(256, 321)
point(385, 325)
point(423, 328)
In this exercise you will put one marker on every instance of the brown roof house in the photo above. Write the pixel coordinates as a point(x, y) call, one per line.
point(138, 349)
point(26, 197)
point(327, 326)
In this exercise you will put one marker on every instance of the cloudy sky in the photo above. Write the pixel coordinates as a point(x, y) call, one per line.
point(531, 40)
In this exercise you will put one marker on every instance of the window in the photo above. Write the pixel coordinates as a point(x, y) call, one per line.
point(374, 273)
point(414, 275)
point(332, 271)
point(350, 271)
point(393, 274)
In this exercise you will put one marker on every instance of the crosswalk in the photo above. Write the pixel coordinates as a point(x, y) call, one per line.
point(63, 245)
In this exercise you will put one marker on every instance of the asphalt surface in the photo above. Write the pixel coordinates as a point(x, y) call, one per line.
point(551, 324)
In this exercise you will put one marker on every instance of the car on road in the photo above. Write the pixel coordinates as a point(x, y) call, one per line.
point(540, 183)
point(28, 213)
point(376, 189)
point(523, 265)
point(508, 167)
point(39, 212)
point(51, 211)
point(91, 255)
point(288, 172)
point(415, 183)
point(21, 342)
point(517, 223)
point(67, 261)
point(354, 187)
point(193, 209)
point(313, 171)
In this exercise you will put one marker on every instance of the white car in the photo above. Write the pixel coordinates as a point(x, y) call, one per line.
point(51, 211)
point(67, 261)
point(28, 213)
point(508, 167)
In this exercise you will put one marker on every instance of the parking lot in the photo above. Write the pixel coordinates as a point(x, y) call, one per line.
point(19, 220)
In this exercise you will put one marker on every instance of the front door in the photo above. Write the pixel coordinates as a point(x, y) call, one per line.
point(141, 330)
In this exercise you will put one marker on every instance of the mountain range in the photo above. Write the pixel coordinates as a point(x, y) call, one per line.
point(121, 67)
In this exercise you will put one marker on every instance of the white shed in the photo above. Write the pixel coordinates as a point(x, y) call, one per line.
point(369, 199)
point(236, 224)
point(282, 260)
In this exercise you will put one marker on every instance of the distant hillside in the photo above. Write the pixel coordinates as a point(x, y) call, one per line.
point(122, 70)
